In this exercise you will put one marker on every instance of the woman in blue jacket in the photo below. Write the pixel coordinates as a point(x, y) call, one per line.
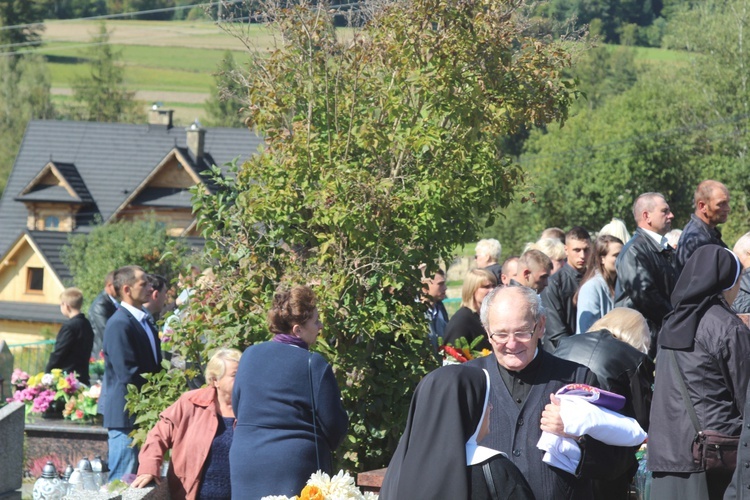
point(287, 404)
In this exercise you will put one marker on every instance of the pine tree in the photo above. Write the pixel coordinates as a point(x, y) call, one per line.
point(223, 107)
point(101, 96)
point(22, 15)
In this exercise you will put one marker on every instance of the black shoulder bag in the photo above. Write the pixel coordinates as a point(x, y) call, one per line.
point(712, 450)
point(314, 410)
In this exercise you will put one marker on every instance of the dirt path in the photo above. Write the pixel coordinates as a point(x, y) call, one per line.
point(152, 95)
point(204, 35)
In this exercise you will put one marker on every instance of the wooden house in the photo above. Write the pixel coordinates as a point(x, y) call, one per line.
point(70, 175)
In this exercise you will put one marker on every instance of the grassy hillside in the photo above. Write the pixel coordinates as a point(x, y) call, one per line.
point(172, 62)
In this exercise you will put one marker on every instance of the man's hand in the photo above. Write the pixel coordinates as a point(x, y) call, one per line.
point(144, 479)
point(551, 420)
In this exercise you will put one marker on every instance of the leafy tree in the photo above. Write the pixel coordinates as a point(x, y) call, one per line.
point(90, 256)
point(225, 103)
point(100, 96)
point(19, 19)
point(24, 95)
point(141, 5)
point(603, 72)
point(71, 9)
point(714, 31)
point(611, 17)
point(650, 138)
point(381, 151)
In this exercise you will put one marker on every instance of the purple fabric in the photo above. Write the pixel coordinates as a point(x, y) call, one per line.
point(285, 338)
point(594, 395)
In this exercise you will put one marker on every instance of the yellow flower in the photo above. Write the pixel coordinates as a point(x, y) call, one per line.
point(56, 372)
point(310, 492)
point(62, 384)
point(35, 380)
point(485, 352)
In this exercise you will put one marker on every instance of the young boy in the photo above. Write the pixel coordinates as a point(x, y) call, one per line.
point(75, 338)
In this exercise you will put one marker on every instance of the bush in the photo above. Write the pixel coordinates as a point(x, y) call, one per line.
point(381, 153)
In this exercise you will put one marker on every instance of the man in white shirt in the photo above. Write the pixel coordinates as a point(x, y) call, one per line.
point(645, 267)
point(131, 349)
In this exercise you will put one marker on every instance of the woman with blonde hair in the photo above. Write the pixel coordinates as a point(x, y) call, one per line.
point(615, 350)
point(627, 325)
point(616, 228)
point(198, 428)
point(552, 248)
point(465, 323)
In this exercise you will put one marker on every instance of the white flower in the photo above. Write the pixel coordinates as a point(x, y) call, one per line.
point(339, 487)
point(48, 379)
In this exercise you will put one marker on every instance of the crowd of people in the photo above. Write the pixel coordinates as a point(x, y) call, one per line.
point(655, 317)
point(642, 319)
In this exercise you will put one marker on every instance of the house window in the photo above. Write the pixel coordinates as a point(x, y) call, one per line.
point(35, 280)
point(51, 222)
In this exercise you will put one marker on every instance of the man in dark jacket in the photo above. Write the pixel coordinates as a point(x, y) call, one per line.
point(645, 272)
point(131, 349)
point(557, 298)
point(73, 343)
point(711, 202)
point(522, 379)
point(101, 309)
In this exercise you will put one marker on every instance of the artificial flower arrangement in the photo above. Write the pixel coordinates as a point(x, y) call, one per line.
point(83, 406)
point(321, 486)
point(43, 390)
point(96, 367)
point(462, 351)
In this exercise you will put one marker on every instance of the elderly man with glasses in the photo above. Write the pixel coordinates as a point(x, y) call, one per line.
point(524, 378)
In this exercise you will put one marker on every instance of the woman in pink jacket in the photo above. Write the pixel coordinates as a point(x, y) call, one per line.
point(198, 428)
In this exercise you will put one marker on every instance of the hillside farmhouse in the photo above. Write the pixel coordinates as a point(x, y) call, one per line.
point(68, 175)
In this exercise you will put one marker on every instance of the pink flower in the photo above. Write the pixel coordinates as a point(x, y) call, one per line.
point(42, 401)
point(79, 414)
point(19, 378)
point(73, 384)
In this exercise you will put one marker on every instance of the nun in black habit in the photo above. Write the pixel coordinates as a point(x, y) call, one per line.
point(706, 345)
point(438, 456)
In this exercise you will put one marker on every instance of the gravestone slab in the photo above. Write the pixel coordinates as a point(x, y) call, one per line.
point(11, 436)
point(68, 441)
point(6, 370)
point(160, 492)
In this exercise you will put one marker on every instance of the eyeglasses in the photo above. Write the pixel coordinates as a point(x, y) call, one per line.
point(503, 338)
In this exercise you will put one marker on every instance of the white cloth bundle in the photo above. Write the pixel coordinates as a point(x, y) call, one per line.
point(581, 417)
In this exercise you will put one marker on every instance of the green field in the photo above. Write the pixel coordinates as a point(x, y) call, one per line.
point(174, 61)
point(171, 62)
point(175, 69)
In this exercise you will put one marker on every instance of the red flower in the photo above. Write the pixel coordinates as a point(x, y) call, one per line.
point(455, 353)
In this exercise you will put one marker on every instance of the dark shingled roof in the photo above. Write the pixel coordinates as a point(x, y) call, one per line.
point(69, 173)
point(164, 197)
point(49, 244)
point(111, 160)
point(24, 311)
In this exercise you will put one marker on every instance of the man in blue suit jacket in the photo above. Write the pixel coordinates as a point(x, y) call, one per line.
point(131, 348)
